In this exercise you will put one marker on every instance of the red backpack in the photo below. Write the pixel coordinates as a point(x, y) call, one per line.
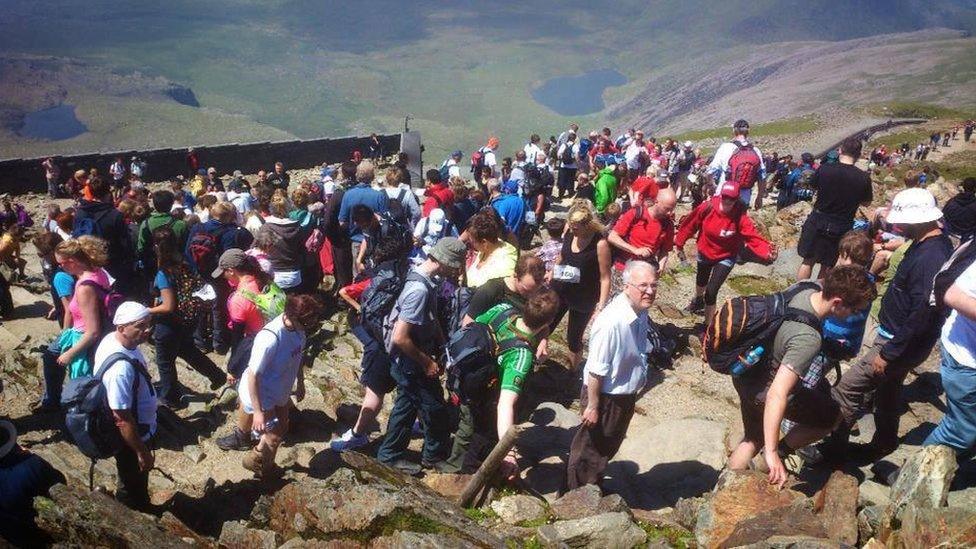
point(744, 166)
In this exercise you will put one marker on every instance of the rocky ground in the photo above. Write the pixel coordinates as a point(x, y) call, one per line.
point(666, 486)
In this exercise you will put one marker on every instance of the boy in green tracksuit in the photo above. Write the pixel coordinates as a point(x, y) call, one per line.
point(605, 188)
point(514, 366)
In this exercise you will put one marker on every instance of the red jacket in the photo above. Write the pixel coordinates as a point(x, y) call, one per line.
point(721, 236)
point(438, 196)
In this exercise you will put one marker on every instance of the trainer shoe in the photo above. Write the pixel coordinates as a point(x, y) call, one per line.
point(237, 440)
point(697, 305)
point(348, 441)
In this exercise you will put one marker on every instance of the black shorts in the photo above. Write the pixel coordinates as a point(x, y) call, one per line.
point(820, 238)
point(809, 407)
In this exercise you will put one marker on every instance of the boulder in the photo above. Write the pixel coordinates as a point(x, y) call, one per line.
point(609, 530)
point(368, 501)
point(924, 479)
point(928, 527)
point(449, 485)
point(581, 502)
point(236, 535)
point(873, 493)
point(76, 517)
point(793, 542)
point(792, 217)
point(869, 521)
point(796, 519)
point(738, 497)
point(194, 453)
point(413, 540)
point(836, 504)
point(519, 508)
point(686, 511)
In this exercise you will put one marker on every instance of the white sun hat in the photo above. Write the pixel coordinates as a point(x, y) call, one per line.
point(914, 206)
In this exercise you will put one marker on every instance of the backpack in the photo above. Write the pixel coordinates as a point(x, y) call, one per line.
point(445, 171)
point(959, 261)
point(24, 218)
point(743, 166)
point(477, 162)
point(380, 296)
point(110, 301)
point(89, 225)
point(88, 418)
point(454, 308)
point(204, 249)
point(472, 358)
point(271, 300)
point(391, 228)
point(396, 210)
point(567, 156)
point(188, 306)
point(744, 322)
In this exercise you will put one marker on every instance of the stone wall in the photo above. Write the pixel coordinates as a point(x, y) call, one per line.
point(23, 175)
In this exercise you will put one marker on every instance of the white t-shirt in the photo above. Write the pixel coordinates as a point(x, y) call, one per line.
point(959, 332)
point(275, 359)
point(633, 155)
point(453, 168)
point(532, 151)
point(119, 381)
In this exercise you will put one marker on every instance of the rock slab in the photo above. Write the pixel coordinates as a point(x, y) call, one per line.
point(836, 504)
point(924, 479)
point(609, 530)
point(518, 508)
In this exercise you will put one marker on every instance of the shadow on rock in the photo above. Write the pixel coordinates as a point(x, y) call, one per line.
point(662, 485)
point(230, 501)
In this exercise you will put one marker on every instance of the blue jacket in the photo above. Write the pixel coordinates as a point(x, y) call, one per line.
point(511, 208)
point(361, 193)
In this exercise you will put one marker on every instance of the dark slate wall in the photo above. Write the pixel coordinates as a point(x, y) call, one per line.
point(26, 175)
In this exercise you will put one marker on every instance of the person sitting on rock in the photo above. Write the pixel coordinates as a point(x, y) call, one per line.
point(723, 228)
point(272, 370)
point(494, 414)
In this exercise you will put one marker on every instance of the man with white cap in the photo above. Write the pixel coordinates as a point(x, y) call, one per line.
point(132, 399)
point(908, 327)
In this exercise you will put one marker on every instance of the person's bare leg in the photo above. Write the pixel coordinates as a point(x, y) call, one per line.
point(740, 458)
point(372, 404)
point(805, 270)
point(243, 419)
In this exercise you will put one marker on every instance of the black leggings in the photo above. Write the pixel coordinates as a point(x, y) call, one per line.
point(576, 326)
point(711, 275)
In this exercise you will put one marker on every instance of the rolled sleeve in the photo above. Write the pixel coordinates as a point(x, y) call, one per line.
point(602, 347)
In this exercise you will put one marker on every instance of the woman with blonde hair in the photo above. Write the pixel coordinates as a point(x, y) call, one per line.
point(73, 350)
point(288, 255)
point(581, 276)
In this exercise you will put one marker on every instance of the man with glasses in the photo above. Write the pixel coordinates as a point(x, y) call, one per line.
point(132, 399)
point(615, 371)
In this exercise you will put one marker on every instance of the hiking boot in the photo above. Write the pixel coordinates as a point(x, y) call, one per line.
point(697, 305)
point(237, 440)
point(42, 407)
point(811, 454)
point(440, 466)
point(253, 461)
point(406, 467)
point(348, 441)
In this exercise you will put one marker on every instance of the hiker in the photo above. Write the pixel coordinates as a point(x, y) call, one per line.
point(615, 372)
point(906, 333)
point(279, 178)
point(797, 184)
point(494, 257)
point(684, 162)
point(428, 232)
point(841, 188)
point(437, 194)
point(505, 200)
point(375, 229)
point(337, 233)
point(214, 184)
point(83, 259)
point(722, 228)
point(274, 368)
point(288, 255)
point(52, 174)
point(414, 342)
point(607, 182)
point(467, 202)
point(62, 284)
point(581, 277)
point(532, 149)
point(568, 155)
point(117, 171)
point(528, 278)
point(204, 246)
point(162, 202)
point(552, 246)
point(132, 400)
point(99, 217)
point(10, 250)
point(636, 157)
point(769, 391)
point(176, 312)
point(401, 196)
point(645, 232)
point(960, 212)
point(360, 193)
point(742, 161)
point(490, 408)
point(23, 477)
point(485, 162)
point(957, 429)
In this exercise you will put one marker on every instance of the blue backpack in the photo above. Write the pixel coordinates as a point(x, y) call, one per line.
point(89, 225)
point(88, 418)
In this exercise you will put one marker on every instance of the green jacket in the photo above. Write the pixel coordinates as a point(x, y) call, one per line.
point(155, 221)
point(605, 188)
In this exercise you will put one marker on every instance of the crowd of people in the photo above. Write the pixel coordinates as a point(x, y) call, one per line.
point(455, 288)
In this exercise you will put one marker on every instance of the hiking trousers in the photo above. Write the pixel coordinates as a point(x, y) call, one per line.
point(593, 447)
point(566, 181)
point(957, 429)
point(172, 341)
point(416, 394)
point(133, 488)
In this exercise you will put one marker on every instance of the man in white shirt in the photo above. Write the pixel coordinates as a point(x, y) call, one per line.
point(615, 371)
point(720, 163)
point(131, 398)
point(532, 148)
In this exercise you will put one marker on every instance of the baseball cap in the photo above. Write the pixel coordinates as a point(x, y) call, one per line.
point(730, 189)
point(913, 206)
point(689, 144)
point(233, 258)
point(449, 251)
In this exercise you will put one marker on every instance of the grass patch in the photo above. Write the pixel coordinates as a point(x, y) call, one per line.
point(480, 514)
point(913, 109)
point(678, 538)
point(788, 126)
point(893, 140)
point(755, 285)
point(957, 166)
point(535, 523)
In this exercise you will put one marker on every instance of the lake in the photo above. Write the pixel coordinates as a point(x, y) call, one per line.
point(54, 124)
point(580, 94)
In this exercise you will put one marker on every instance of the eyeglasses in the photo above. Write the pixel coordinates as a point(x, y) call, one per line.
point(645, 288)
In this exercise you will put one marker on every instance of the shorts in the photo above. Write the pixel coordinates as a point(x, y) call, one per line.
point(376, 363)
point(808, 407)
point(820, 238)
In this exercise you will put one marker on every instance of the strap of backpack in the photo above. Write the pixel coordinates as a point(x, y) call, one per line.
point(638, 216)
point(401, 195)
point(804, 317)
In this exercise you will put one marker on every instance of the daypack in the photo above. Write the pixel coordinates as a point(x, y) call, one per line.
point(744, 322)
point(744, 166)
point(477, 162)
point(89, 225)
point(271, 300)
point(110, 300)
point(472, 358)
point(453, 309)
point(396, 210)
point(445, 171)
point(204, 249)
point(380, 296)
point(390, 228)
point(88, 418)
point(567, 156)
point(959, 261)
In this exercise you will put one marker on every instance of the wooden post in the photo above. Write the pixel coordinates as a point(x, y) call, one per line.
point(490, 465)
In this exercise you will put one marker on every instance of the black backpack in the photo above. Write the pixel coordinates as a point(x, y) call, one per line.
point(454, 308)
point(204, 249)
point(567, 157)
point(391, 228)
point(744, 322)
point(959, 261)
point(396, 210)
point(380, 296)
point(88, 418)
point(472, 359)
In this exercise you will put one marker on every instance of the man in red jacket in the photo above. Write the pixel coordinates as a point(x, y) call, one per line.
point(438, 194)
point(723, 228)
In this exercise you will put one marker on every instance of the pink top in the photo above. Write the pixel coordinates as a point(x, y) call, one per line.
point(99, 277)
point(241, 310)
